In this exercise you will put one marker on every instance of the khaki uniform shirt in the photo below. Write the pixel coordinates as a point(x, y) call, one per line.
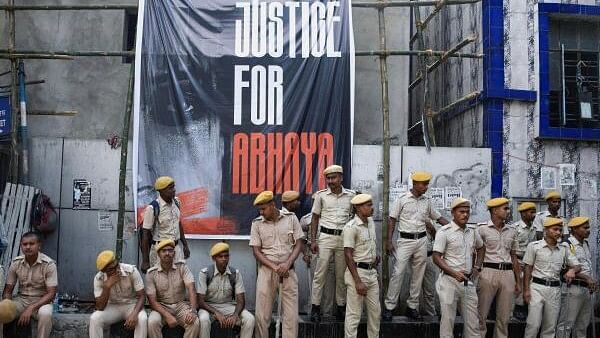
point(219, 291)
point(457, 245)
point(124, 292)
point(583, 254)
point(525, 235)
point(548, 262)
point(169, 286)
point(35, 279)
point(334, 210)
point(538, 221)
point(167, 224)
point(276, 239)
point(411, 212)
point(498, 244)
point(362, 238)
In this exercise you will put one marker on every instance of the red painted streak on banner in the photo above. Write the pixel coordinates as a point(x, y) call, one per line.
point(209, 226)
point(193, 202)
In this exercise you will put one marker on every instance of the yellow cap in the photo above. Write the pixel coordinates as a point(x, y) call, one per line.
point(460, 202)
point(104, 258)
point(333, 169)
point(496, 202)
point(163, 182)
point(218, 248)
point(360, 199)
point(163, 243)
point(551, 221)
point(577, 221)
point(290, 196)
point(263, 197)
point(8, 311)
point(421, 176)
point(552, 194)
point(526, 206)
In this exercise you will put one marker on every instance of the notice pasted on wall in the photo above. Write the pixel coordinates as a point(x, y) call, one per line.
point(82, 194)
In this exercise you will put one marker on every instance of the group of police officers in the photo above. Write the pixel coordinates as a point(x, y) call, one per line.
point(524, 269)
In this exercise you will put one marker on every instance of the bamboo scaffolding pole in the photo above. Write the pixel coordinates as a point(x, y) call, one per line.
point(443, 58)
point(438, 7)
point(11, 7)
point(69, 53)
point(417, 53)
point(5, 73)
point(385, 4)
point(53, 113)
point(466, 98)
point(28, 83)
point(15, 56)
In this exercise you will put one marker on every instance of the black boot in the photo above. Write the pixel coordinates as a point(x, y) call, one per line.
point(315, 313)
point(386, 315)
point(413, 314)
point(341, 312)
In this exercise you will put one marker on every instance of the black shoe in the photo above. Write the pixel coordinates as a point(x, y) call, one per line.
point(413, 314)
point(315, 313)
point(341, 312)
point(386, 315)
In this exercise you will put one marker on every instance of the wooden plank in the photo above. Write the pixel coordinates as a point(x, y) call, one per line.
point(9, 192)
point(12, 211)
point(20, 227)
point(33, 193)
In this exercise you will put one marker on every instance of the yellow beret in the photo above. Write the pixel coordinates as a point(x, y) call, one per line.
point(551, 221)
point(552, 194)
point(163, 243)
point(163, 182)
point(460, 202)
point(360, 199)
point(496, 202)
point(421, 176)
point(8, 311)
point(526, 206)
point(104, 258)
point(290, 195)
point(218, 248)
point(263, 197)
point(333, 169)
point(577, 221)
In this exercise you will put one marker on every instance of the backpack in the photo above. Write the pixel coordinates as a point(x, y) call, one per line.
point(156, 208)
point(210, 272)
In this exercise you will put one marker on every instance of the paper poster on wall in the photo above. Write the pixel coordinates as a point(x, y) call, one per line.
point(566, 174)
point(450, 194)
point(548, 178)
point(82, 194)
point(396, 192)
point(437, 197)
point(105, 221)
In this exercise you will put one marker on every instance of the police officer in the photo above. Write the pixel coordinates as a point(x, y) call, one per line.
point(544, 260)
point(276, 239)
point(290, 201)
point(553, 200)
point(166, 285)
point(37, 278)
point(164, 223)
point(526, 233)
point(411, 211)
point(576, 302)
point(330, 212)
point(119, 292)
point(453, 252)
point(360, 249)
point(500, 277)
point(221, 295)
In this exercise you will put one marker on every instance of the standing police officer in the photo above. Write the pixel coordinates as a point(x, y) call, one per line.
point(526, 233)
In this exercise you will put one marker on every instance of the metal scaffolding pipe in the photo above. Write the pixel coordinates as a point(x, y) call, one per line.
point(417, 53)
point(26, 83)
point(14, 98)
point(384, 4)
point(11, 7)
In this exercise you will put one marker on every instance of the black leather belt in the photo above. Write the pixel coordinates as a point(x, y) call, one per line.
point(410, 235)
point(366, 266)
point(546, 282)
point(498, 266)
point(156, 242)
point(429, 253)
point(328, 231)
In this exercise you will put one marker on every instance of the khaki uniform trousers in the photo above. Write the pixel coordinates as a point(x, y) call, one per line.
point(544, 309)
point(153, 256)
point(519, 300)
point(428, 299)
point(179, 310)
point(354, 305)
point(267, 290)
point(321, 274)
point(499, 284)
point(245, 321)
point(43, 315)
point(114, 313)
point(452, 294)
point(575, 311)
point(413, 252)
